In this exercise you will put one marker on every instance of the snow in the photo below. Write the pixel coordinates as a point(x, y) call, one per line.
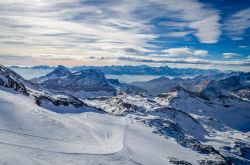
point(174, 126)
point(33, 135)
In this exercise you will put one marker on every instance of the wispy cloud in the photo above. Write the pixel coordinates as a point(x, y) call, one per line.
point(195, 61)
point(243, 46)
point(93, 28)
point(184, 51)
point(109, 32)
point(10, 57)
point(237, 24)
point(230, 55)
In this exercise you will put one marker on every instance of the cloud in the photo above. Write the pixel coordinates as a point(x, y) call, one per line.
point(183, 51)
point(230, 55)
point(243, 46)
point(11, 57)
point(195, 61)
point(195, 15)
point(93, 28)
point(177, 34)
point(208, 29)
point(237, 24)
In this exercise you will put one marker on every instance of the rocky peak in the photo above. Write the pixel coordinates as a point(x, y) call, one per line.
point(60, 71)
point(11, 79)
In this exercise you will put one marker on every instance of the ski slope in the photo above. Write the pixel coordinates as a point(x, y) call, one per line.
point(33, 135)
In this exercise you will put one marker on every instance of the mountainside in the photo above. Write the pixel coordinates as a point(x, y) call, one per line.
point(210, 85)
point(227, 85)
point(65, 117)
point(159, 85)
point(191, 118)
point(11, 80)
point(58, 72)
point(84, 84)
point(91, 137)
point(59, 102)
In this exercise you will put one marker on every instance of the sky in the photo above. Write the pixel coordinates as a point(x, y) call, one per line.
point(177, 33)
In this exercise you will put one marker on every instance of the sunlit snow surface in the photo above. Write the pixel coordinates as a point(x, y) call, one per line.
point(32, 135)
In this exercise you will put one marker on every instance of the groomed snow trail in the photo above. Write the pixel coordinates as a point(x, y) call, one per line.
point(25, 125)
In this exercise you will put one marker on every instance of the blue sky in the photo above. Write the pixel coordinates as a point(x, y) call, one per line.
point(179, 33)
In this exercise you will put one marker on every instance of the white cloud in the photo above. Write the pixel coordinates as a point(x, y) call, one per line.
point(237, 24)
point(177, 34)
point(184, 61)
point(200, 52)
point(203, 19)
point(243, 46)
point(74, 29)
point(208, 29)
point(183, 51)
point(230, 55)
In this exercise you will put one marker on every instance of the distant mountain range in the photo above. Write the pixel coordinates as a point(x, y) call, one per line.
point(224, 84)
point(137, 70)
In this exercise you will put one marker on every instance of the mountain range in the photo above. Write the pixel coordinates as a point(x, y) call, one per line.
point(136, 70)
point(83, 117)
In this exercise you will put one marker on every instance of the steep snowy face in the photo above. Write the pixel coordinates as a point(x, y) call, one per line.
point(10, 79)
point(60, 71)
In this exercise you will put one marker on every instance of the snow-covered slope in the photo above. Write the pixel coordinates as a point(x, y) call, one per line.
point(226, 119)
point(226, 86)
point(33, 135)
point(12, 80)
point(54, 101)
point(211, 85)
point(190, 118)
point(128, 126)
point(224, 109)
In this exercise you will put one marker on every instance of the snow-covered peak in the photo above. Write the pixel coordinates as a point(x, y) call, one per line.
point(60, 71)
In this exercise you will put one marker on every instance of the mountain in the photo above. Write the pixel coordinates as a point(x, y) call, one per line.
point(192, 119)
point(133, 70)
point(159, 85)
point(227, 85)
point(59, 102)
point(211, 85)
point(93, 136)
point(66, 118)
point(243, 93)
point(81, 84)
point(224, 109)
point(60, 71)
point(84, 84)
point(12, 80)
